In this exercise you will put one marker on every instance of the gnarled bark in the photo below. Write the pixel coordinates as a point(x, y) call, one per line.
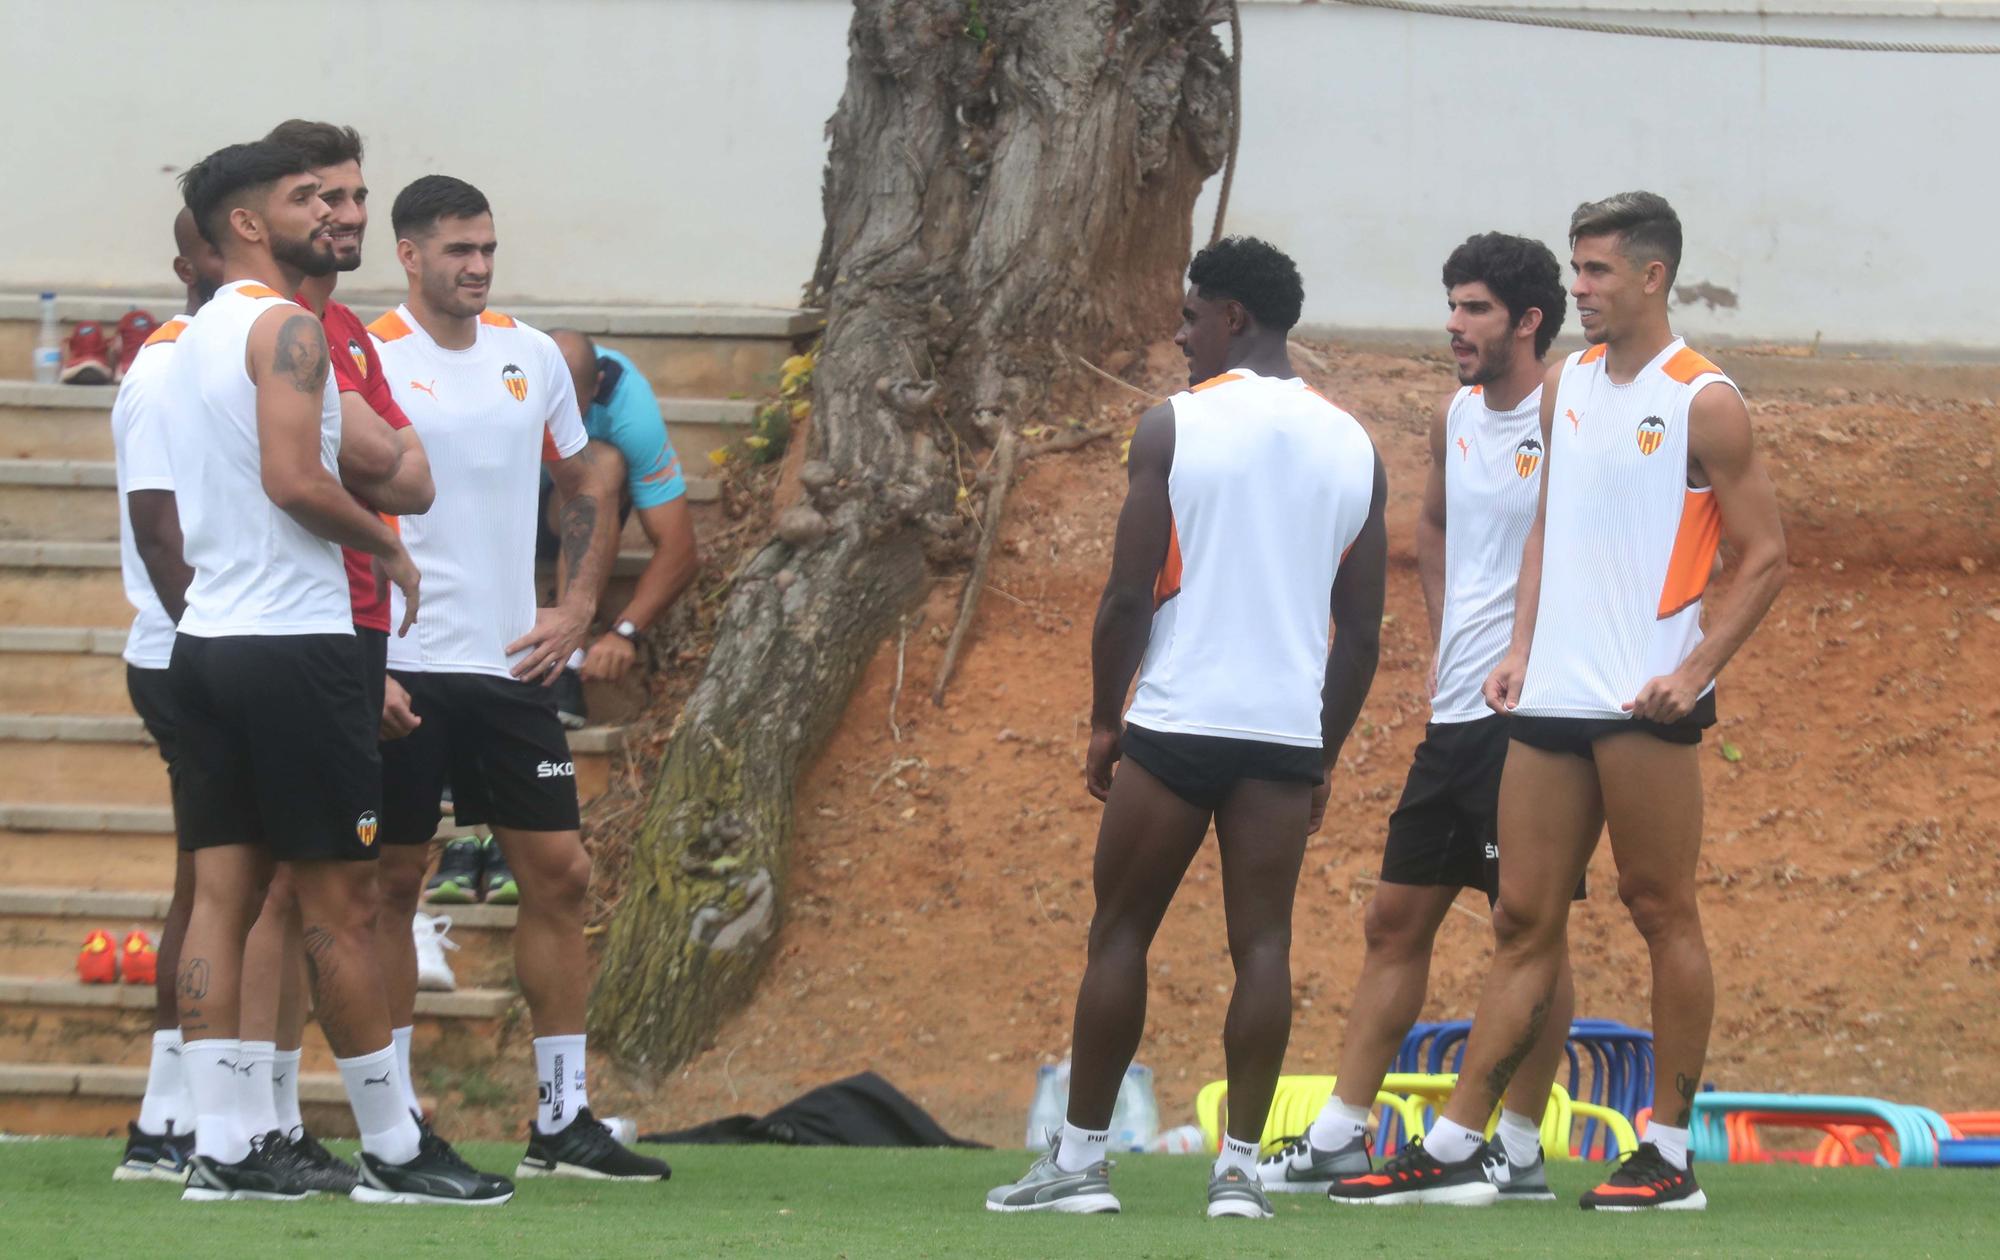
point(1007, 180)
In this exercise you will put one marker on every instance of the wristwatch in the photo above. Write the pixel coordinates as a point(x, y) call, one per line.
point(626, 631)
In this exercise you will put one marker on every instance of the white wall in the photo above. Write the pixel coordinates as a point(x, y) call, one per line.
point(670, 150)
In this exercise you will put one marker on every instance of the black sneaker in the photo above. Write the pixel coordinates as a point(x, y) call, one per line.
point(436, 1175)
point(1645, 1180)
point(154, 1157)
point(460, 868)
point(323, 1170)
point(569, 700)
point(586, 1149)
point(501, 890)
point(1414, 1177)
point(269, 1173)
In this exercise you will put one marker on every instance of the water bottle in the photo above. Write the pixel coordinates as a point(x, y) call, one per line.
point(48, 346)
point(622, 1128)
point(1187, 1139)
point(1135, 1121)
point(1051, 1105)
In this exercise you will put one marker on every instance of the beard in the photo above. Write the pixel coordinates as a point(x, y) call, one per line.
point(311, 256)
point(1486, 369)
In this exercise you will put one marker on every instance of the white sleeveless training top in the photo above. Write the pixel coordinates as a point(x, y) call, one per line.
point(143, 421)
point(1269, 487)
point(1627, 545)
point(256, 570)
point(1492, 481)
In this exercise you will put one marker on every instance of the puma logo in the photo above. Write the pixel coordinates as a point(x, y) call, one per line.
point(1571, 417)
point(229, 1064)
point(247, 1068)
point(428, 389)
point(376, 1080)
point(277, 1078)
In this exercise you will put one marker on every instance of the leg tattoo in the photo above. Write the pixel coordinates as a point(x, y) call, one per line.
point(1684, 1086)
point(1503, 1072)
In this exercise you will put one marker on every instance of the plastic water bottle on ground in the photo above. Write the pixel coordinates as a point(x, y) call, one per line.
point(48, 344)
point(1135, 1121)
point(622, 1128)
point(1051, 1105)
point(1184, 1140)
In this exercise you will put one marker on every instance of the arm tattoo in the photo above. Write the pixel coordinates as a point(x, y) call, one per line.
point(576, 524)
point(1684, 1086)
point(301, 353)
point(1503, 1072)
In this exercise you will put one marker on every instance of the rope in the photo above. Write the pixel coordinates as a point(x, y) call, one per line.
point(1515, 17)
point(1235, 117)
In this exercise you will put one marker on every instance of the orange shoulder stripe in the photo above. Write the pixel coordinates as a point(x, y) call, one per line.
point(1688, 364)
point(1692, 561)
point(496, 319)
point(169, 331)
point(1167, 583)
point(1213, 381)
point(389, 327)
point(1478, 389)
point(259, 291)
point(1593, 354)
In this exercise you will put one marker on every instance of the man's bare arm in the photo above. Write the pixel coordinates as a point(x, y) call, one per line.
point(369, 451)
point(408, 490)
point(1431, 527)
point(156, 535)
point(586, 499)
point(676, 559)
point(1359, 590)
point(1139, 550)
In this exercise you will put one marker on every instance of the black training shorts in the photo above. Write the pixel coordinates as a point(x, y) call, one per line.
point(1445, 830)
point(499, 745)
point(374, 667)
point(277, 746)
point(153, 700)
point(1575, 735)
point(1202, 769)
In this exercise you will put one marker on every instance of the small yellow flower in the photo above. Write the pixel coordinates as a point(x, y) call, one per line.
point(719, 456)
point(798, 365)
point(802, 408)
point(756, 443)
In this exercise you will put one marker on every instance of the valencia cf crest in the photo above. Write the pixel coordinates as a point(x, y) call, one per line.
point(517, 382)
point(1527, 457)
point(1652, 432)
point(360, 357)
point(365, 828)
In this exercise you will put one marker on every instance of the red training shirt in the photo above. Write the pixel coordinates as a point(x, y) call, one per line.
point(358, 370)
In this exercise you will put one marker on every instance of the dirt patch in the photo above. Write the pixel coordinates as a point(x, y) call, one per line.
point(939, 894)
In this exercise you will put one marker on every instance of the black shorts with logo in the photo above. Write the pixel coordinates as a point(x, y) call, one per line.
point(1445, 832)
point(276, 747)
point(1202, 769)
point(153, 700)
point(1575, 735)
point(499, 745)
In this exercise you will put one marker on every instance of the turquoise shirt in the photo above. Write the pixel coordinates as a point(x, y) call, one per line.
point(630, 420)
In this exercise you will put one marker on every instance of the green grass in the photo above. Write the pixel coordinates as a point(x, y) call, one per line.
point(57, 1199)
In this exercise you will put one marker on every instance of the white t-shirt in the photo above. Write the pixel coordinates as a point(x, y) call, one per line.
point(1492, 481)
point(487, 417)
point(256, 570)
point(142, 418)
point(1270, 486)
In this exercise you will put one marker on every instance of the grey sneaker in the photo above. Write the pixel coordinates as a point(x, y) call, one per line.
point(1234, 1192)
point(1518, 1183)
point(1299, 1166)
point(1047, 1188)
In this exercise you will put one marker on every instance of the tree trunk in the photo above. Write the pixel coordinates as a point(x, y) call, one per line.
point(1008, 180)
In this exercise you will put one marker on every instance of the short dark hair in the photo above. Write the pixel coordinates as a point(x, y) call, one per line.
point(226, 178)
point(1647, 228)
point(1255, 273)
point(433, 197)
point(1522, 273)
point(323, 143)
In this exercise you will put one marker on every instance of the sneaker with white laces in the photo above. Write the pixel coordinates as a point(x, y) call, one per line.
point(1236, 1192)
point(1412, 1175)
point(433, 972)
point(1518, 1183)
point(1298, 1166)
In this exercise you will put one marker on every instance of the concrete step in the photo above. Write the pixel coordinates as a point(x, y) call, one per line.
point(72, 1100)
point(685, 351)
point(70, 584)
point(57, 759)
point(47, 669)
point(41, 930)
point(62, 1021)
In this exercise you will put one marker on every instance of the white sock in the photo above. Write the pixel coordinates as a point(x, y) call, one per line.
point(1522, 1137)
point(166, 1106)
point(1337, 1125)
point(1672, 1143)
point(285, 1090)
point(559, 1081)
point(1080, 1148)
point(388, 1131)
point(400, 1038)
point(212, 1066)
point(1451, 1143)
point(1236, 1154)
point(258, 1107)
